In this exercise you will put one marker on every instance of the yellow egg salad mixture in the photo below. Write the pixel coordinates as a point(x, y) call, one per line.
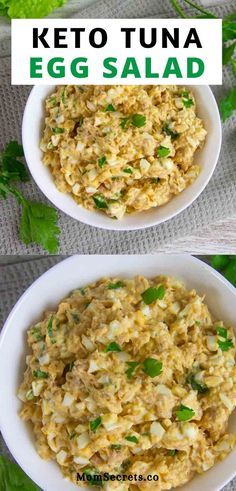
point(122, 149)
point(131, 377)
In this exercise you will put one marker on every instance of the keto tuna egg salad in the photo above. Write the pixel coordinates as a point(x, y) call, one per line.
point(131, 377)
point(122, 149)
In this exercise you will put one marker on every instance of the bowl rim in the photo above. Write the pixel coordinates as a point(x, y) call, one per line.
point(118, 225)
point(18, 456)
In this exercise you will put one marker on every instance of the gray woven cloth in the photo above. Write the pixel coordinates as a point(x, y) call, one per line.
point(14, 279)
point(218, 201)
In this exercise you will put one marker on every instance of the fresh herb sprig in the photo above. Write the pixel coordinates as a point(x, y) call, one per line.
point(228, 103)
point(226, 265)
point(38, 222)
point(13, 478)
point(35, 9)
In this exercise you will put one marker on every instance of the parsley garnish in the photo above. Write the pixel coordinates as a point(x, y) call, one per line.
point(222, 332)
point(138, 120)
point(127, 170)
point(132, 365)
point(184, 413)
point(95, 478)
point(152, 367)
point(50, 327)
point(187, 102)
point(124, 122)
point(225, 345)
point(38, 222)
point(40, 374)
point(100, 201)
point(115, 286)
point(201, 388)
point(172, 453)
point(168, 131)
point(113, 347)
point(116, 446)
point(151, 294)
point(131, 438)
point(57, 130)
point(95, 424)
point(110, 108)
point(163, 151)
point(102, 161)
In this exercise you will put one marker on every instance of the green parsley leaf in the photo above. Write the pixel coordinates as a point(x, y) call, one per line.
point(39, 224)
point(35, 9)
point(53, 101)
point(29, 395)
point(152, 367)
point(156, 180)
point(131, 438)
point(152, 294)
point(132, 365)
point(184, 413)
point(116, 446)
point(115, 286)
point(172, 453)
point(13, 478)
point(201, 388)
point(127, 170)
point(229, 29)
point(188, 103)
point(225, 345)
point(11, 166)
point(40, 374)
point(169, 132)
point(95, 424)
point(57, 130)
point(138, 120)
point(100, 201)
point(222, 332)
point(50, 327)
point(228, 52)
point(113, 347)
point(95, 477)
point(102, 161)
point(228, 104)
point(110, 108)
point(124, 122)
point(163, 151)
point(230, 271)
point(36, 332)
point(219, 261)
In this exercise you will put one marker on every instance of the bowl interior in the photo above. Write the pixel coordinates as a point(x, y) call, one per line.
point(206, 157)
point(45, 293)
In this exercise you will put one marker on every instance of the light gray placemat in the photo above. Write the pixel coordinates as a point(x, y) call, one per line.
point(14, 279)
point(218, 201)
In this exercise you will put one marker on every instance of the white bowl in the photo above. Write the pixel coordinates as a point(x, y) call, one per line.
point(206, 157)
point(45, 293)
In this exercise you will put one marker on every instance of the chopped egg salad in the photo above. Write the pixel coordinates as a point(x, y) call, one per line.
point(122, 149)
point(131, 376)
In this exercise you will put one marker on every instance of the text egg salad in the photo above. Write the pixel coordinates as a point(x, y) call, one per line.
point(122, 149)
point(131, 377)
